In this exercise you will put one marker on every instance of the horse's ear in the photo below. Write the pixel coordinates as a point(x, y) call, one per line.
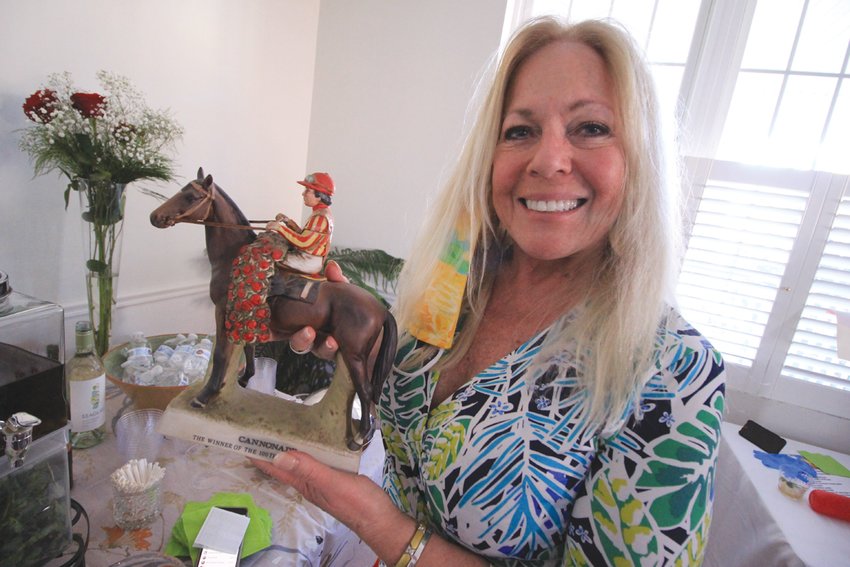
point(208, 181)
point(200, 173)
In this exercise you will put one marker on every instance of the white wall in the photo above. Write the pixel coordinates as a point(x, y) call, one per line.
point(238, 76)
point(393, 80)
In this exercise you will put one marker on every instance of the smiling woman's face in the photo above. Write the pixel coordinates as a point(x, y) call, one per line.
point(558, 169)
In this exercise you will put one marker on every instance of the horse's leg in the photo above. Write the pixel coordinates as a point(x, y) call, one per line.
point(249, 365)
point(220, 357)
point(358, 370)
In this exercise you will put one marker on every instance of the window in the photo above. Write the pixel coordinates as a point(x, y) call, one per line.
point(762, 92)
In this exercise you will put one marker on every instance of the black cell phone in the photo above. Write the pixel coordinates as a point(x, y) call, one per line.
point(761, 437)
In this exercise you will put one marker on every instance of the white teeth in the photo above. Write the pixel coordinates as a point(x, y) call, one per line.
point(551, 206)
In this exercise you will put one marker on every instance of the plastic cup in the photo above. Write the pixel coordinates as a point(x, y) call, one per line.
point(793, 482)
point(265, 375)
point(136, 434)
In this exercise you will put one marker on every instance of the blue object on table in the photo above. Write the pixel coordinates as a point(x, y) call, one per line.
point(789, 464)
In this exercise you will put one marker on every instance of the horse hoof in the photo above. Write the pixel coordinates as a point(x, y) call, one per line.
point(357, 441)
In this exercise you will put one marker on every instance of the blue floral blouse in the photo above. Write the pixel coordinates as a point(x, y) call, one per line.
point(508, 467)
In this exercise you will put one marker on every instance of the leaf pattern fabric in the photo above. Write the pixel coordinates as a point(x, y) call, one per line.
point(508, 467)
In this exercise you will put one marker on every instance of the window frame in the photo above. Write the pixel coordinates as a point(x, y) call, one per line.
point(824, 192)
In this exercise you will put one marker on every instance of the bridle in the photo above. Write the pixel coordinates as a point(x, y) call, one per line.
point(208, 199)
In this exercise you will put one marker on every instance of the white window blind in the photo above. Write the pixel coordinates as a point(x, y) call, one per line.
point(741, 241)
point(812, 355)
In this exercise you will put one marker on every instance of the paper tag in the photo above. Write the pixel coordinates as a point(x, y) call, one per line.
point(222, 531)
point(213, 558)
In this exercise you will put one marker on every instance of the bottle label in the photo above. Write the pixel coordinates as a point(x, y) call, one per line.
point(202, 353)
point(141, 351)
point(88, 403)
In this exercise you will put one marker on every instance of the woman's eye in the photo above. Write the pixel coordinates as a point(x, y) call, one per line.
point(593, 129)
point(517, 133)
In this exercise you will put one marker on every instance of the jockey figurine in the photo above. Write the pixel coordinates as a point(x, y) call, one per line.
point(284, 244)
point(308, 246)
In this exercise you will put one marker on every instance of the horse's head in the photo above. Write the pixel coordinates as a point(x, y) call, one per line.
point(192, 203)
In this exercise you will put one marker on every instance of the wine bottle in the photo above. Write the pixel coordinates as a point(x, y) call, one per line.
point(86, 382)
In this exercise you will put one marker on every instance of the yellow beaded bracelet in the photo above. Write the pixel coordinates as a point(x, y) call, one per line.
point(415, 546)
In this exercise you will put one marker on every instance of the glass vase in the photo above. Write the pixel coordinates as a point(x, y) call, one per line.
point(102, 206)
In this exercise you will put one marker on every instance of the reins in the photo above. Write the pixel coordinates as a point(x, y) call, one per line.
point(209, 197)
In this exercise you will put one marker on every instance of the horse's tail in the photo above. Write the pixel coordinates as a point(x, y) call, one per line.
point(386, 356)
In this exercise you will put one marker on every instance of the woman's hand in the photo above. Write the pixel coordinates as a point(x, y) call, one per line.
point(304, 339)
point(353, 499)
point(364, 507)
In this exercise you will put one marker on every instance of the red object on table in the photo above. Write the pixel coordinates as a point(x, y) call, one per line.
point(830, 504)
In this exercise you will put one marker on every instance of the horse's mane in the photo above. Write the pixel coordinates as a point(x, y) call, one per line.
point(240, 216)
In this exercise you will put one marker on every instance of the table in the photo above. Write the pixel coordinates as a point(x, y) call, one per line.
point(302, 535)
point(755, 524)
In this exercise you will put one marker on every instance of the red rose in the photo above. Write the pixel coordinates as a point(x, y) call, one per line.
point(89, 105)
point(40, 105)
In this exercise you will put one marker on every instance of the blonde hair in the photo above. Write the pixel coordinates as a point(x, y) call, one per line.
point(616, 328)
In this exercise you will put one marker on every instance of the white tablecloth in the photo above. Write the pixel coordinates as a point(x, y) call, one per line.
point(303, 535)
point(754, 524)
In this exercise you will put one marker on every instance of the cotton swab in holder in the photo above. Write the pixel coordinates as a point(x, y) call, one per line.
point(137, 493)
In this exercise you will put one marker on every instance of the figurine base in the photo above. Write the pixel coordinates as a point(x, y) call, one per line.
point(260, 426)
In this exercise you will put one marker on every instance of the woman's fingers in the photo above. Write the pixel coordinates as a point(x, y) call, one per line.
point(302, 340)
point(316, 481)
point(327, 349)
point(334, 273)
point(353, 499)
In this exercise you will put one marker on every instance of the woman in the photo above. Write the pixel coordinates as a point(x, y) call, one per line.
point(559, 412)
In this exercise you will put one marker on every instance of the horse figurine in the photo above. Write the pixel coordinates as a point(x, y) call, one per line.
point(350, 314)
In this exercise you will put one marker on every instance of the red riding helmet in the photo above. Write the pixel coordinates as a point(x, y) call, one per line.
point(320, 182)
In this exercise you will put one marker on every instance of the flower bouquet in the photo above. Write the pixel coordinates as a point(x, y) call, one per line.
point(100, 142)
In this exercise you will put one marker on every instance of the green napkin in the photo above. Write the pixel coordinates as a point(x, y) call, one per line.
point(826, 463)
point(258, 536)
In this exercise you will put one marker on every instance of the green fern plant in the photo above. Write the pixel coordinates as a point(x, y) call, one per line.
point(372, 269)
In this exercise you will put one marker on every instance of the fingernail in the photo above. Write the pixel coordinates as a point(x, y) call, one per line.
point(285, 461)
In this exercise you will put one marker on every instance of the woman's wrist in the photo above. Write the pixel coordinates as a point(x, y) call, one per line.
point(415, 546)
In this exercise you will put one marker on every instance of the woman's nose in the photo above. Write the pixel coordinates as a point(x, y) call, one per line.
point(553, 154)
